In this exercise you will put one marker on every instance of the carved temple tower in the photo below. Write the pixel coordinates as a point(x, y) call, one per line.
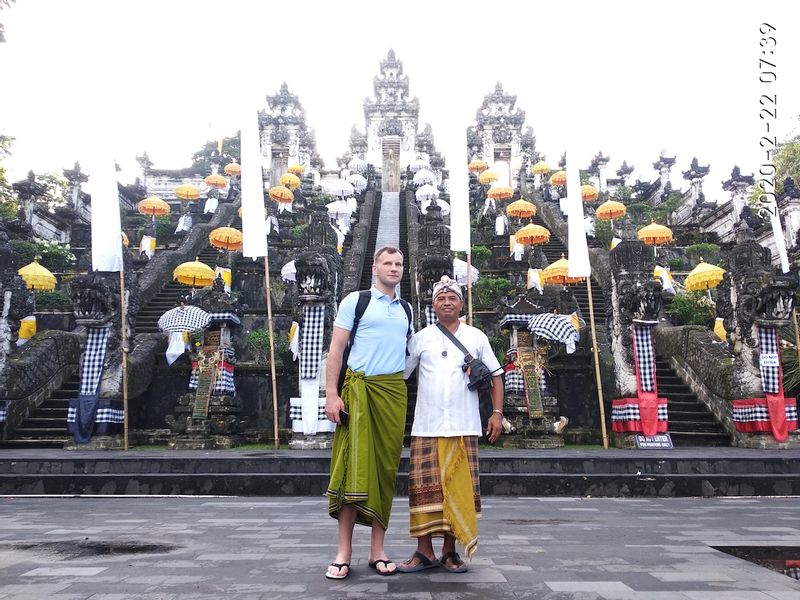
point(391, 123)
point(499, 129)
point(285, 139)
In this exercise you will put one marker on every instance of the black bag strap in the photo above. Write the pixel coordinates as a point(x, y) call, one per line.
point(364, 296)
point(456, 343)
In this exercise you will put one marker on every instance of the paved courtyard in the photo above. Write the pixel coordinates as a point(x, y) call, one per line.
point(156, 548)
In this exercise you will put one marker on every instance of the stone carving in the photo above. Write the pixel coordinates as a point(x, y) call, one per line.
point(16, 302)
point(635, 296)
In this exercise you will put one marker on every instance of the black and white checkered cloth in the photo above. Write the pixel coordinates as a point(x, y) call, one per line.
point(93, 355)
point(223, 384)
point(626, 411)
point(514, 383)
point(296, 413)
point(228, 318)
point(514, 318)
point(558, 328)
point(645, 357)
point(104, 414)
point(430, 316)
point(3, 411)
point(768, 344)
point(751, 411)
point(311, 334)
point(183, 318)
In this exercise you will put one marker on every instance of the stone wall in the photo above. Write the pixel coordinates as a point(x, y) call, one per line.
point(354, 259)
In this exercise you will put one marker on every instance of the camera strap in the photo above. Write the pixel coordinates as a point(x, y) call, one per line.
point(455, 341)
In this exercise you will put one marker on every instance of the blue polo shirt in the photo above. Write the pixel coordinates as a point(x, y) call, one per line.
point(380, 344)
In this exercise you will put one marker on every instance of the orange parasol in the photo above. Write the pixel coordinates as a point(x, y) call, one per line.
point(655, 234)
point(153, 206)
point(217, 181)
point(558, 273)
point(226, 238)
point(588, 193)
point(281, 194)
point(296, 169)
point(476, 165)
point(500, 192)
point(233, 168)
point(532, 234)
point(187, 192)
point(610, 210)
point(521, 208)
point(558, 178)
point(540, 168)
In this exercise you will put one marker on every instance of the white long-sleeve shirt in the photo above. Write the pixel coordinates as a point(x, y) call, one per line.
point(445, 406)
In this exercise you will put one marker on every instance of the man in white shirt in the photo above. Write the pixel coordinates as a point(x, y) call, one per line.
point(444, 490)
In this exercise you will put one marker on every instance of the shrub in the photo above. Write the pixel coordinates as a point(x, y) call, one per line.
point(54, 256)
point(602, 232)
point(480, 256)
point(488, 290)
point(164, 229)
point(691, 308)
point(53, 300)
point(258, 343)
point(709, 252)
point(300, 234)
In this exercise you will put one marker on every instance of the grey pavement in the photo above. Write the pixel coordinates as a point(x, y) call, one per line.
point(388, 233)
point(170, 548)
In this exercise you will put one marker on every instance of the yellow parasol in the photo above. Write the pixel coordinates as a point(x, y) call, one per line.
point(540, 168)
point(187, 192)
point(588, 193)
point(704, 277)
point(296, 169)
point(521, 208)
point(655, 234)
point(532, 234)
point(610, 210)
point(37, 277)
point(233, 168)
point(558, 178)
point(217, 181)
point(226, 238)
point(558, 273)
point(153, 206)
point(194, 273)
point(281, 194)
point(290, 180)
point(500, 192)
point(488, 177)
point(476, 165)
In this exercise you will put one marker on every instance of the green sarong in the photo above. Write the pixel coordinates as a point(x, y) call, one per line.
point(366, 452)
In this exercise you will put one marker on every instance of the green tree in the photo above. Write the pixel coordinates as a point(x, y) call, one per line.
point(231, 151)
point(787, 164)
point(8, 201)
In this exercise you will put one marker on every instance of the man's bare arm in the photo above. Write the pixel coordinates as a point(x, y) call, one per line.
point(333, 402)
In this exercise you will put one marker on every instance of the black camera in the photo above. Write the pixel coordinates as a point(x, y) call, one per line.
point(480, 377)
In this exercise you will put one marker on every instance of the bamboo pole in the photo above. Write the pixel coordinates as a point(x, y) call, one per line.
point(597, 365)
point(124, 360)
point(469, 288)
point(271, 354)
point(796, 335)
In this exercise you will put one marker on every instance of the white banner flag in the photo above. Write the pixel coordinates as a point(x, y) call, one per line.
point(578, 248)
point(254, 230)
point(106, 227)
point(777, 232)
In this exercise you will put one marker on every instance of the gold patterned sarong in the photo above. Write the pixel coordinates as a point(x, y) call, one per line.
point(444, 489)
point(366, 452)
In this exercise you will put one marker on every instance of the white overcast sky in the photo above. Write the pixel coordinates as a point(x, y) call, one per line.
point(628, 78)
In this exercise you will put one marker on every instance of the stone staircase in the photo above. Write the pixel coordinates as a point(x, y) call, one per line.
point(47, 426)
point(690, 421)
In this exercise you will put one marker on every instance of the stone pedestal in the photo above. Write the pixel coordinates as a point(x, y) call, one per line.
point(527, 432)
point(320, 441)
point(219, 430)
point(98, 442)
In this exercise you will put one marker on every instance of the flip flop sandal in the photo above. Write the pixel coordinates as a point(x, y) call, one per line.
point(423, 564)
point(374, 565)
point(339, 566)
point(456, 568)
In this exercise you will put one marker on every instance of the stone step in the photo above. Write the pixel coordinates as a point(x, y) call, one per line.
point(38, 443)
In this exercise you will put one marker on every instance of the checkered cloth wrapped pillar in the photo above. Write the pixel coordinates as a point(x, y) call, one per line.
point(430, 316)
point(311, 334)
point(224, 384)
point(2, 411)
point(88, 414)
point(647, 413)
point(774, 414)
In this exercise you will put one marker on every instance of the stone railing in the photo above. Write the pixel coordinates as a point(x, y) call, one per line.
point(705, 365)
point(354, 261)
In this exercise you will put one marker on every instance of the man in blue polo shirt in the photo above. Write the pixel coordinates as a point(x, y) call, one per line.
point(366, 448)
